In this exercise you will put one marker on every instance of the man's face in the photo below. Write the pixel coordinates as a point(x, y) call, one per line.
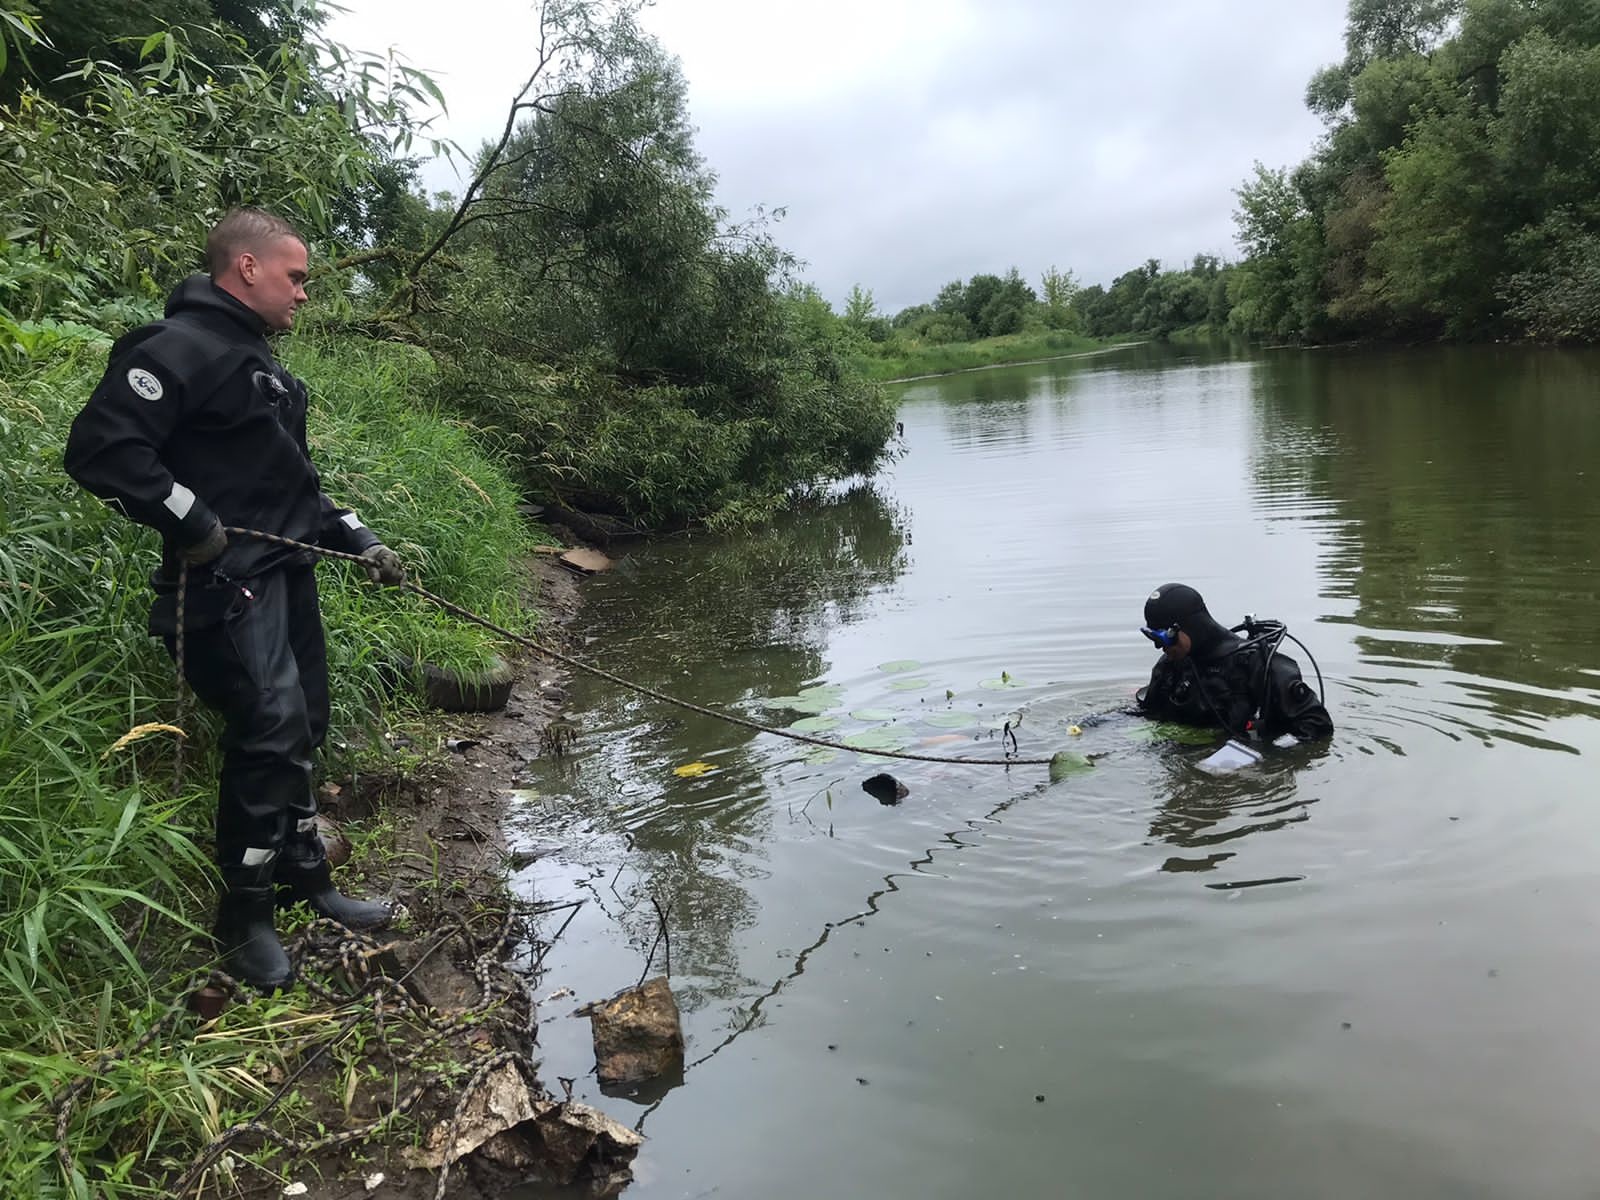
point(275, 281)
point(1179, 650)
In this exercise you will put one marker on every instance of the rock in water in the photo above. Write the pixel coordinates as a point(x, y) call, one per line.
point(637, 1035)
point(885, 789)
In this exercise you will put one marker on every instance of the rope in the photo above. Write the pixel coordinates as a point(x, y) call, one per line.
point(353, 958)
point(642, 689)
point(178, 719)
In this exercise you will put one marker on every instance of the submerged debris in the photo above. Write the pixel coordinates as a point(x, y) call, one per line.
point(507, 1124)
point(585, 562)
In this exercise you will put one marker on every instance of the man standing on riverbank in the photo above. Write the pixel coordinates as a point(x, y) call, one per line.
point(195, 426)
point(1208, 675)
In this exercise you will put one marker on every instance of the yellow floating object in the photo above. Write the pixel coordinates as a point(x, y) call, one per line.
point(693, 770)
point(1075, 730)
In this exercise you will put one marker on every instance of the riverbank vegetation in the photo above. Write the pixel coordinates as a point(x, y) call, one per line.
point(581, 323)
point(984, 321)
point(105, 889)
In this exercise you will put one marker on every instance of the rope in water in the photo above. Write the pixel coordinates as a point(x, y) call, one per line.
point(579, 665)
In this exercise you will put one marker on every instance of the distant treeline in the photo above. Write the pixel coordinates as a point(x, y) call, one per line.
point(1455, 193)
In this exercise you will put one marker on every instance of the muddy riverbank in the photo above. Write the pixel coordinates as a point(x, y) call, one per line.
point(467, 956)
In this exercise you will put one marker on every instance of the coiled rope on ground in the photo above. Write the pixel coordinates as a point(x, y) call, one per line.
point(330, 950)
point(599, 672)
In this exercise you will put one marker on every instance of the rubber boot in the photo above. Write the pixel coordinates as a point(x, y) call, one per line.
point(312, 884)
point(244, 931)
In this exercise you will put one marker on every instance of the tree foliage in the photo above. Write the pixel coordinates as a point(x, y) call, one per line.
point(583, 295)
point(1455, 190)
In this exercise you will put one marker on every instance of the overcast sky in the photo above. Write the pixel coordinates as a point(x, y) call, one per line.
point(917, 141)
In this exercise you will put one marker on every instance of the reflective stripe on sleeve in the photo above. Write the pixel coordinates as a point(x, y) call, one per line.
point(352, 521)
point(179, 501)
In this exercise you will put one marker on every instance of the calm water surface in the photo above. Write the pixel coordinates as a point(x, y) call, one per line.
point(1366, 970)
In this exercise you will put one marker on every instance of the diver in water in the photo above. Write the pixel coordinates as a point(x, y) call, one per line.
point(1210, 675)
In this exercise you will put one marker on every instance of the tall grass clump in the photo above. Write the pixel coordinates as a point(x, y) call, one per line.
point(105, 883)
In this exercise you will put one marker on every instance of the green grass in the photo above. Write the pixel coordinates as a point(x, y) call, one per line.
point(904, 362)
point(105, 883)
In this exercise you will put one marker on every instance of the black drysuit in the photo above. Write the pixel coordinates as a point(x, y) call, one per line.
point(1233, 686)
point(195, 421)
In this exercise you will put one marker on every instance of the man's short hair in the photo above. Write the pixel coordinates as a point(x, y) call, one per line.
point(243, 229)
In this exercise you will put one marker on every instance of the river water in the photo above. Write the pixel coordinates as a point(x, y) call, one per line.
point(1366, 969)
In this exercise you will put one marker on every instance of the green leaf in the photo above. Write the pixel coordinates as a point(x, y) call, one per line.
point(1171, 731)
point(815, 724)
point(875, 739)
point(1066, 763)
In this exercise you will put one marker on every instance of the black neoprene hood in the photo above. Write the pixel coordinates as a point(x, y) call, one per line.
point(1170, 604)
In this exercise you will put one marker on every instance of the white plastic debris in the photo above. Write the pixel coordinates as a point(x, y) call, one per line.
point(295, 1189)
point(374, 1181)
point(1233, 756)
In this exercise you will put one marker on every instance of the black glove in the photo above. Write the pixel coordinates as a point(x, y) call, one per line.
point(207, 548)
point(383, 565)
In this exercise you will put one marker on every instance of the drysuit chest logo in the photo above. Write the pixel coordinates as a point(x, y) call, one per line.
point(145, 384)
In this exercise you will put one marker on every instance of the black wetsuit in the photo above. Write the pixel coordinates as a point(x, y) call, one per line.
point(195, 421)
point(1232, 686)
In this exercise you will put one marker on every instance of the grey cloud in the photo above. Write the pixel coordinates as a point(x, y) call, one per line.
point(1057, 136)
point(1085, 136)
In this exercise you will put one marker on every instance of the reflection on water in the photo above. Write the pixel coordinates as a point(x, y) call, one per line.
point(1349, 971)
point(1205, 813)
point(1466, 527)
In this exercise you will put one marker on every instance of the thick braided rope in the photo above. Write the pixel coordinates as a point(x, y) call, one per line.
point(642, 689)
point(183, 692)
point(353, 953)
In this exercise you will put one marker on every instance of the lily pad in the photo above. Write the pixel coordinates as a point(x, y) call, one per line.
point(950, 720)
point(909, 685)
point(821, 754)
point(815, 724)
point(898, 666)
point(1067, 763)
point(876, 739)
point(873, 715)
point(1005, 681)
point(805, 702)
point(1171, 731)
point(834, 691)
